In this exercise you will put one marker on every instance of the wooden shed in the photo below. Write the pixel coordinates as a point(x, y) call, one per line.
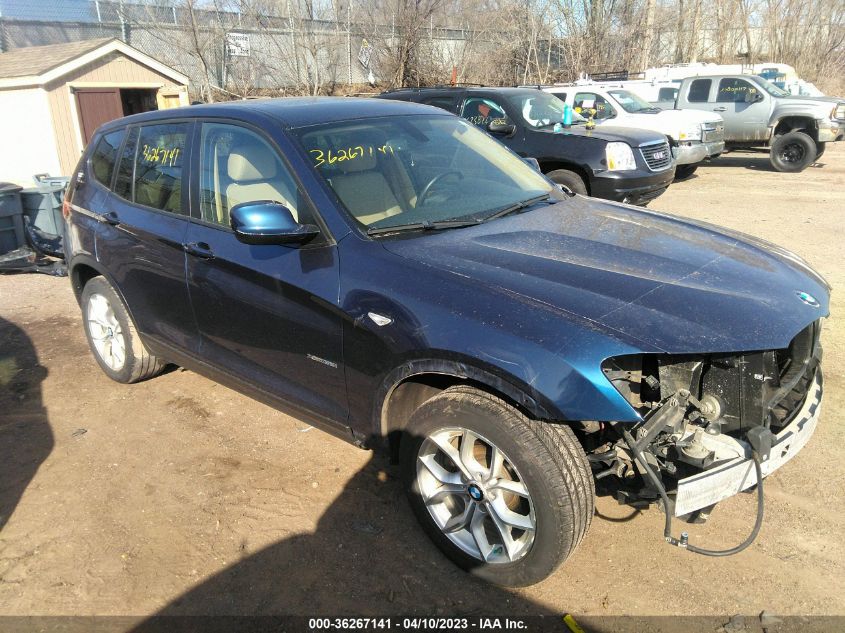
point(52, 98)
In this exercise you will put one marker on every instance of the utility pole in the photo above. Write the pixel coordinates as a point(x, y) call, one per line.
point(349, 42)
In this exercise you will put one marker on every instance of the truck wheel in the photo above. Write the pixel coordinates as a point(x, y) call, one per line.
point(684, 171)
point(112, 335)
point(793, 152)
point(505, 497)
point(820, 148)
point(568, 179)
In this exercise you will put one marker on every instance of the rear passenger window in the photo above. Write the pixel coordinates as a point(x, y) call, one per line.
point(104, 157)
point(159, 159)
point(699, 91)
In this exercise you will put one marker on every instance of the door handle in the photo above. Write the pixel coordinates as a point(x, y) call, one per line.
point(198, 249)
point(719, 109)
point(110, 217)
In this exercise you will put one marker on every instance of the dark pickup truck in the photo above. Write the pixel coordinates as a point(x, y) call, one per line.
point(619, 164)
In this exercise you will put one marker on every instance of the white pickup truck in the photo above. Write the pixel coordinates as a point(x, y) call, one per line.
point(694, 136)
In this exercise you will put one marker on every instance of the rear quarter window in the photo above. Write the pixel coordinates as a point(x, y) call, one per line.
point(104, 157)
point(699, 91)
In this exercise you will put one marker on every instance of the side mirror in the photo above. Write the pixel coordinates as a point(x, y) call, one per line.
point(499, 127)
point(268, 222)
point(753, 97)
point(532, 162)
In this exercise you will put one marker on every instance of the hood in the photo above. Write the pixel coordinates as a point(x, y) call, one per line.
point(648, 278)
point(631, 136)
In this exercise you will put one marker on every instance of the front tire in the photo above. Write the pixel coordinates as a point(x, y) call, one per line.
point(820, 148)
point(793, 152)
point(568, 179)
point(682, 172)
point(112, 336)
point(505, 497)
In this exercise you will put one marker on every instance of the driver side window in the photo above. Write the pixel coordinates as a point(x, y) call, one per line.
point(732, 90)
point(236, 166)
point(481, 111)
point(588, 100)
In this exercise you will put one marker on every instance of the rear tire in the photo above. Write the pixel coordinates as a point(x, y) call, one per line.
point(539, 477)
point(112, 336)
point(683, 172)
point(793, 152)
point(568, 179)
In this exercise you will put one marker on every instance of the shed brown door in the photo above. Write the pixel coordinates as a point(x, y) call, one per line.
point(97, 106)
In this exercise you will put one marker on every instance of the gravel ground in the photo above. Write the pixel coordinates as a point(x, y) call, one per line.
point(178, 495)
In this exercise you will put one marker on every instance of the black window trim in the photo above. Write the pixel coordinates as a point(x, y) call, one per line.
point(325, 239)
point(185, 201)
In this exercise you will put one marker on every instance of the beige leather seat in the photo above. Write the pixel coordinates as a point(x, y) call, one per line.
point(365, 191)
point(253, 172)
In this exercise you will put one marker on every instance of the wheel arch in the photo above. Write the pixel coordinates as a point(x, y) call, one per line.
point(549, 166)
point(407, 387)
point(795, 123)
point(82, 269)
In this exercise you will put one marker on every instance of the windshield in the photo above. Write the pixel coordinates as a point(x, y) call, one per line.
point(398, 171)
point(541, 109)
point(631, 102)
point(769, 87)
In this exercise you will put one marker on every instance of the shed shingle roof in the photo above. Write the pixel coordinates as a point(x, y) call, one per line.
point(37, 60)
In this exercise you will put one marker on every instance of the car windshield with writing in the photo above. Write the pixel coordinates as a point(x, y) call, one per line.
point(542, 110)
point(421, 172)
point(631, 102)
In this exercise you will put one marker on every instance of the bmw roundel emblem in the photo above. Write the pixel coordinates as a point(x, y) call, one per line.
point(807, 298)
point(475, 492)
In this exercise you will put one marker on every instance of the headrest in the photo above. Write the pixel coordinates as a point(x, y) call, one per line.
point(251, 161)
point(362, 162)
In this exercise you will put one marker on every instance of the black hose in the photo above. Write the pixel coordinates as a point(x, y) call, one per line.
point(667, 526)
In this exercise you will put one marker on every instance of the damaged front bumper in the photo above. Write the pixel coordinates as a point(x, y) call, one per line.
point(704, 420)
point(735, 471)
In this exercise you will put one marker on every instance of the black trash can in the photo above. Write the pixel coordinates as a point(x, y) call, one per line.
point(11, 218)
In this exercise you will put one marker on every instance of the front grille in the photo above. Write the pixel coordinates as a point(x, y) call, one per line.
point(840, 111)
point(713, 132)
point(657, 156)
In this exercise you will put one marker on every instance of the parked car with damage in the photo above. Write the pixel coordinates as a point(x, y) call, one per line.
point(389, 273)
point(614, 163)
point(757, 114)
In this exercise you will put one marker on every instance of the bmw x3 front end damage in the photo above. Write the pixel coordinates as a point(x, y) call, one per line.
point(710, 423)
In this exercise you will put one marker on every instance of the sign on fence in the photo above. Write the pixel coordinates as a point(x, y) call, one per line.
point(237, 44)
point(364, 53)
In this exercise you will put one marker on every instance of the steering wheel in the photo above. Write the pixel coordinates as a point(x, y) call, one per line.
point(427, 189)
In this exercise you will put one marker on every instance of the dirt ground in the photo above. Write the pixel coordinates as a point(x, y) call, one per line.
point(180, 496)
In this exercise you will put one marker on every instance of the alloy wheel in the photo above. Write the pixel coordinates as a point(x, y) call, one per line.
point(475, 495)
point(106, 333)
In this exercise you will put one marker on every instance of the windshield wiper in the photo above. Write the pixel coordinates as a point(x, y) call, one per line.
point(437, 225)
point(518, 206)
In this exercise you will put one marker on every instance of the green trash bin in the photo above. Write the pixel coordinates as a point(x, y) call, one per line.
point(43, 206)
point(11, 218)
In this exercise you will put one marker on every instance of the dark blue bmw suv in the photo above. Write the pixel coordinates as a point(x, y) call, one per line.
point(386, 271)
